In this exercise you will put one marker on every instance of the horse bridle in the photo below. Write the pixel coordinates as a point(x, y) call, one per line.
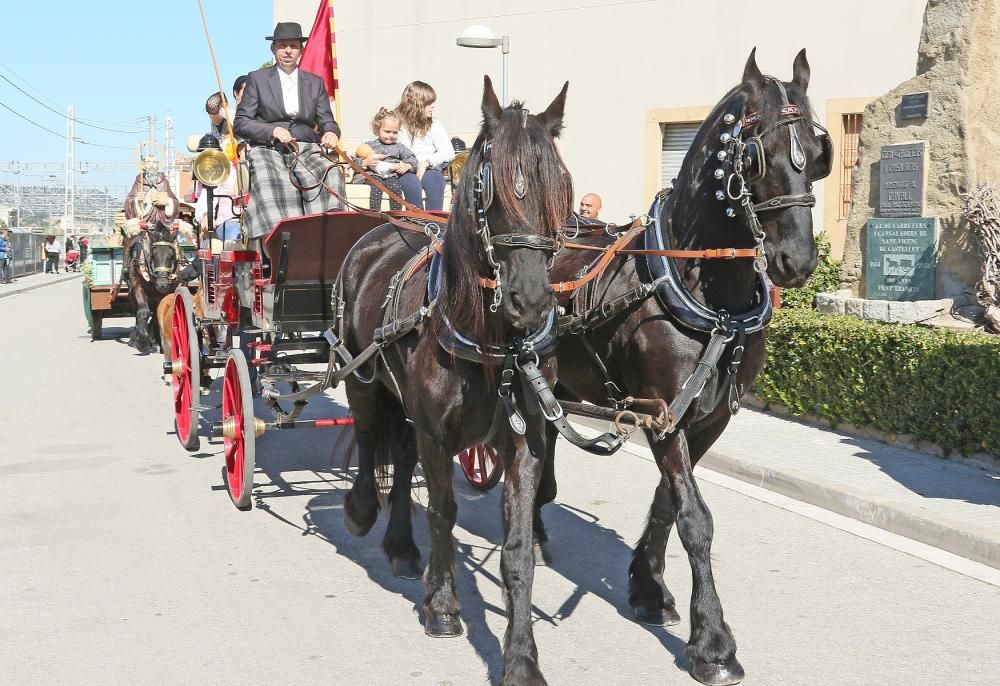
point(147, 253)
point(483, 200)
point(744, 162)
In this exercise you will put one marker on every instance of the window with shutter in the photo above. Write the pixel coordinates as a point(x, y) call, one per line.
point(677, 139)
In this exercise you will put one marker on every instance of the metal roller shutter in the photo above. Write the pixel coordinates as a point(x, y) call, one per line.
point(677, 138)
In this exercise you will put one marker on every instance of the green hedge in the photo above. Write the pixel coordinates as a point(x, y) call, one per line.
point(936, 384)
point(826, 279)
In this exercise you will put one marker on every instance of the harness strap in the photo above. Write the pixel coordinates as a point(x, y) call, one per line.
point(605, 444)
point(384, 336)
point(609, 254)
point(707, 254)
point(783, 201)
point(595, 316)
point(695, 383)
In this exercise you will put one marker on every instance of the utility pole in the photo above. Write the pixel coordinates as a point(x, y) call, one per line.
point(170, 167)
point(17, 189)
point(152, 127)
point(69, 213)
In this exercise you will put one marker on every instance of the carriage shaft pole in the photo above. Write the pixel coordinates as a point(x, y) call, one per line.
point(217, 428)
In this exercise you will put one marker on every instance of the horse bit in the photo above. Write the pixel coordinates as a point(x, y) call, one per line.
point(483, 199)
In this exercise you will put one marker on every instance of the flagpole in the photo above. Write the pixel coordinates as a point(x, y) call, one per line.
point(336, 82)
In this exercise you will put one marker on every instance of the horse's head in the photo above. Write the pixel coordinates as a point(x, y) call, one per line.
point(761, 152)
point(162, 256)
point(784, 152)
point(515, 194)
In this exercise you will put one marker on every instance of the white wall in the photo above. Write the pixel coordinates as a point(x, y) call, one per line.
point(621, 58)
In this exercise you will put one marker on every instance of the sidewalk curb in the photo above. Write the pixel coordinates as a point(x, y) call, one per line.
point(969, 541)
point(34, 287)
point(973, 542)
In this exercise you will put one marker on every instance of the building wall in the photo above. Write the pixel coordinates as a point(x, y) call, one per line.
point(629, 63)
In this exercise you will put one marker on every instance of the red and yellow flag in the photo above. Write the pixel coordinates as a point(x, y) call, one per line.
point(319, 57)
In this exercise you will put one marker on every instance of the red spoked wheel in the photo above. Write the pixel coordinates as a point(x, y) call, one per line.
point(481, 466)
point(239, 429)
point(185, 358)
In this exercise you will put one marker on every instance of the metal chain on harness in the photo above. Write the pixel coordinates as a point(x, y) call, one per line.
point(483, 195)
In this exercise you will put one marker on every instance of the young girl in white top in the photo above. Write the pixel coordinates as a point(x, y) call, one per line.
point(430, 143)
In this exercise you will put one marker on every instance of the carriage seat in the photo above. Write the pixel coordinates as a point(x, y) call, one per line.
point(317, 245)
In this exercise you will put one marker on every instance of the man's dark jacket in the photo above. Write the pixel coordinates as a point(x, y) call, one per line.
point(263, 107)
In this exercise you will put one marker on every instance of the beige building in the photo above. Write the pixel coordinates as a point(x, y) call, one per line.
point(642, 73)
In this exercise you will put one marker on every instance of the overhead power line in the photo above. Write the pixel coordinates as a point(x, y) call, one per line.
point(55, 104)
point(56, 133)
point(62, 114)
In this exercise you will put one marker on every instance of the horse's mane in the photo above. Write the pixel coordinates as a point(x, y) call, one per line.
point(548, 202)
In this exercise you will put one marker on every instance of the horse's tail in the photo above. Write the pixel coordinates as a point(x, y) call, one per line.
point(394, 438)
point(395, 435)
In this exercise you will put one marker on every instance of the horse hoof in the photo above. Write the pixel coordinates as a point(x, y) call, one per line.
point(657, 616)
point(543, 558)
point(357, 521)
point(406, 568)
point(443, 626)
point(717, 674)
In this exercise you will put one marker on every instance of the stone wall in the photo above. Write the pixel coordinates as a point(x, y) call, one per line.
point(958, 62)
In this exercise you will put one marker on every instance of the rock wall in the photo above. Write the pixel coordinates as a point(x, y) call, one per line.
point(958, 62)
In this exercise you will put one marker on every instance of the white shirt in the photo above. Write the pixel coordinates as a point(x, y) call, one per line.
point(433, 147)
point(290, 91)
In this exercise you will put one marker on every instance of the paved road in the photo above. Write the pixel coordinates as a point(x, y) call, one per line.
point(123, 562)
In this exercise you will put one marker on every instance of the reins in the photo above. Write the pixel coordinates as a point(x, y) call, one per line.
point(624, 235)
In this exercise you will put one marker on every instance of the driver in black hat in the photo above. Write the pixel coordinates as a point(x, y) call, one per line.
point(283, 103)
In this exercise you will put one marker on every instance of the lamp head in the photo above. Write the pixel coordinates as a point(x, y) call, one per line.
point(477, 36)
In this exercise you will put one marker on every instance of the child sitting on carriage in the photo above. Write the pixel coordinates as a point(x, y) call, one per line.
point(386, 157)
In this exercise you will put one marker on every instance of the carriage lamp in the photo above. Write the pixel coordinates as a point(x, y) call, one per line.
point(479, 36)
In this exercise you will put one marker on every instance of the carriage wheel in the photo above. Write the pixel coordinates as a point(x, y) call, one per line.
point(238, 429)
point(186, 369)
point(481, 467)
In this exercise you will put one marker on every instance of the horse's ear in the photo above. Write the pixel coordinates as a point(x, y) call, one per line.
point(492, 111)
point(751, 73)
point(552, 117)
point(800, 70)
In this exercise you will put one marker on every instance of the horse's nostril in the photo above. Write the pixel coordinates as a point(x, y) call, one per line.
point(517, 301)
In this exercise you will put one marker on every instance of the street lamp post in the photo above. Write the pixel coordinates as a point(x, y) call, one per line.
point(479, 36)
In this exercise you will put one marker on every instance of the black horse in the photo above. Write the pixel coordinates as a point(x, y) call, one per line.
point(757, 153)
point(152, 275)
point(651, 321)
point(425, 396)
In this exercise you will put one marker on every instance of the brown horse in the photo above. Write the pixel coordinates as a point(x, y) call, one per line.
point(152, 276)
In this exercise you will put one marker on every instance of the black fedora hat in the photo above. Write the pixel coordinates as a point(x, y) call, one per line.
point(287, 30)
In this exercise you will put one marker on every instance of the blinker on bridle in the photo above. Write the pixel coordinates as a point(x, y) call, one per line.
point(483, 196)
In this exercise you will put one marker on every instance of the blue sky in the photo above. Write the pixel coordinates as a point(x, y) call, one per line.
point(117, 62)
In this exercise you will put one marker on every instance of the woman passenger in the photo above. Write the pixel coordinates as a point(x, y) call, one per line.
point(430, 143)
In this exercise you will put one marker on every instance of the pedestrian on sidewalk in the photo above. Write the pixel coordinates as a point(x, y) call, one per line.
point(6, 256)
point(53, 249)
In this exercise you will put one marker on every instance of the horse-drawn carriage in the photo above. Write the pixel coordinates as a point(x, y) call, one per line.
point(102, 296)
point(449, 337)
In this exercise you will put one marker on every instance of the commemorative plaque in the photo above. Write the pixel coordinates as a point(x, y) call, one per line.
point(902, 173)
point(899, 259)
point(914, 106)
